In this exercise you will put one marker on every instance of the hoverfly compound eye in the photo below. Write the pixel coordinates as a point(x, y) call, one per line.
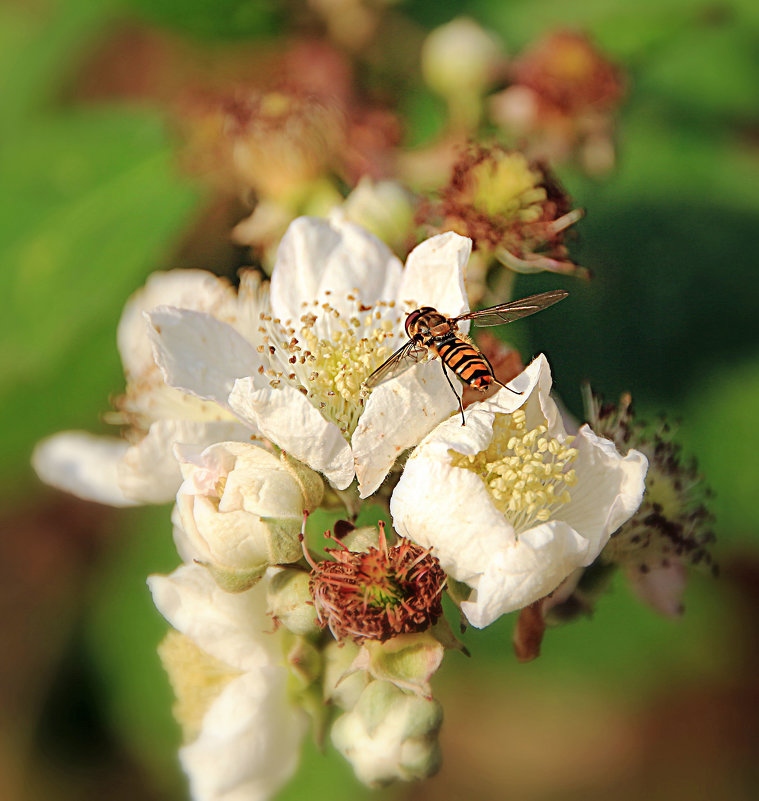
point(414, 319)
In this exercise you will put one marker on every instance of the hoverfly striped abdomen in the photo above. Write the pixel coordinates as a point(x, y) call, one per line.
point(466, 361)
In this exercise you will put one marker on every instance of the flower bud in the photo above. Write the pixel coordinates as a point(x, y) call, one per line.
point(460, 57)
point(408, 661)
point(240, 510)
point(383, 208)
point(390, 734)
point(343, 684)
point(289, 601)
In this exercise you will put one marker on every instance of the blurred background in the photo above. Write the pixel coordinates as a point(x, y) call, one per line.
point(112, 166)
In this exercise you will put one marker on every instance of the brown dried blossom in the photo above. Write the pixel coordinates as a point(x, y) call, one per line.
point(508, 206)
point(672, 529)
point(561, 101)
point(568, 72)
point(379, 593)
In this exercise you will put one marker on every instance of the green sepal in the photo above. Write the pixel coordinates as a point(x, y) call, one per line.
point(309, 481)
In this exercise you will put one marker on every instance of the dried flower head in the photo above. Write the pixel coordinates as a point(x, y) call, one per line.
point(673, 526)
point(561, 101)
point(378, 593)
point(510, 207)
point(278, 142)
point(566, 70)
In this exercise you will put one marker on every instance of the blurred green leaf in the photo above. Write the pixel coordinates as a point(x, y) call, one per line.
point(626, 30)
point(424, 115)
point(622, 645)
point(36, 46)
point(719, 426)
point(724, 83)
point(227, 19)
point(77, 249)
point(76, 238)
point(123, 632)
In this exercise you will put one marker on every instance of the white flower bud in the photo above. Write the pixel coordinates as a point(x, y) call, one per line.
point(290, 603)
point(384, 208)
point(240, 510)
point(460, 56)
point(390, 734)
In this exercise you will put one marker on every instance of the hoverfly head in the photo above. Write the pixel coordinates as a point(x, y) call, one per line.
point(419, 321)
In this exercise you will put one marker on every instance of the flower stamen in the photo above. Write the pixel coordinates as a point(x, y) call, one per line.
point(328, 356)
point(526, 472)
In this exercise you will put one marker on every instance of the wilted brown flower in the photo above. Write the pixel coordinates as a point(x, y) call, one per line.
point(673, 526)
point(378, 593)
point(561, 100)
point(510, 207)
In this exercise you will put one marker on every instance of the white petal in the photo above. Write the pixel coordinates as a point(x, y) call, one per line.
point(149, 472)
point(84, 465)
point(397, 415)
point(609, 489)
point(249, 742)
point(537, 375)
point(434, 275)
point(321, 260)
point(232, 627)
point(449, 510)
point(186, 289)
point(286, 417)
point(531, 567)
point(200, 354)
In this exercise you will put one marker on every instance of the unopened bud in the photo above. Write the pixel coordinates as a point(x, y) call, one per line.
point(460, 56)
point(384, 208)
point(343, 684)
point(389, 735)
point(290, 603)
point(407, 661)
point(239, 511)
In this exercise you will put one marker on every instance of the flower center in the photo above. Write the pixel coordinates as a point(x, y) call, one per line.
point(331, 353)
point(526, 472)
point(379, 593)
point(506, 186)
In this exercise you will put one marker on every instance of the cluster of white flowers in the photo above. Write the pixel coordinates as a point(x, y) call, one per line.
point(247, 406)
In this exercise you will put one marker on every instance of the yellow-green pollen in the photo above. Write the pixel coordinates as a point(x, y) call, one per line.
point(506, 186)
point(527, 472)
point(330, 370)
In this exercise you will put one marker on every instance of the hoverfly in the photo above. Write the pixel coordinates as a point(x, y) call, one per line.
point(429, 331)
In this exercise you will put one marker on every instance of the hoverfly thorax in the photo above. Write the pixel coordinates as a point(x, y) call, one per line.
point(426, 323)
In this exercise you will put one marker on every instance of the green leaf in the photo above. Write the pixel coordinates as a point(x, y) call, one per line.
point(719, 426)
point(123, 632)
point(36, 46)
point(224, 19)
point(76, 238)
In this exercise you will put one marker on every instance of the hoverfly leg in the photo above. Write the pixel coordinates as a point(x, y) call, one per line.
point(453, 389)
point(515, 391)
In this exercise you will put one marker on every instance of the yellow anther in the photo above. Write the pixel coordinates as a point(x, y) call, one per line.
point(525, 471)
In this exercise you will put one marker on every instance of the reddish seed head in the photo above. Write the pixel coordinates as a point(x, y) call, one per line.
point(379, 593)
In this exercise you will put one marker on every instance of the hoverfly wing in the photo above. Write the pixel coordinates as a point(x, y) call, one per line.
point(515, 309)
point(407, 355)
